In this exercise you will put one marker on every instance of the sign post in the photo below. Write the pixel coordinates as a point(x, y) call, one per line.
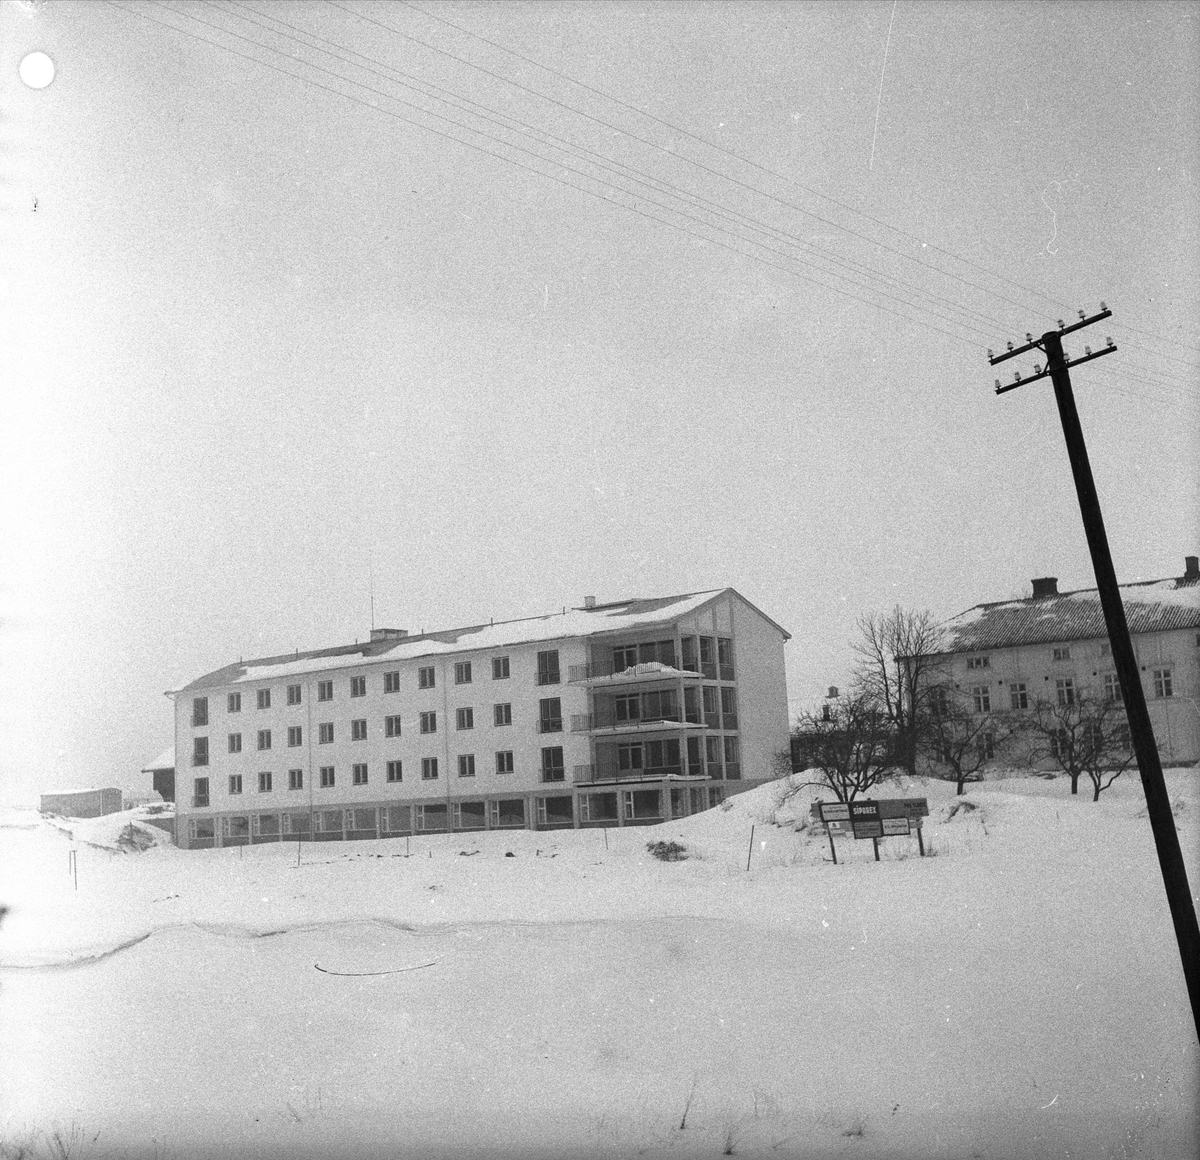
point(886, 818)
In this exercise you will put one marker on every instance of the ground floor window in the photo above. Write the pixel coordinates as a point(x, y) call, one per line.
point(433, 816)
point(202, 832)
point(235, 831)
point(297, 825)
point(642, 803)
point(395, 819)
point(598, 807)
point(508, 812)
point(361, 822)
point(715, 797)
point(329, 823)
point(266, 825)
point(468, 815)
point(555, 811)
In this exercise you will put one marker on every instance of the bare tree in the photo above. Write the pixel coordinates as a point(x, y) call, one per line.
point(897, 656)
point(849, 747)
point(955, 743)
point(1082, 735)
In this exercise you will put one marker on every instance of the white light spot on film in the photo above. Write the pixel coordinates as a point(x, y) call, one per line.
point(37, 70)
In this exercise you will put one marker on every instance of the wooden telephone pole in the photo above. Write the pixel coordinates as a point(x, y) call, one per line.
point(1166, 839)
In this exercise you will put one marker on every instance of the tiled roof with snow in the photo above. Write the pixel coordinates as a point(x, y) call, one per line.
point(621, 616)
point(165, 760)
point(1150, 606)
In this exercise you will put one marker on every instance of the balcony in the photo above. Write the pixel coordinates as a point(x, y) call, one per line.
point(604, 671)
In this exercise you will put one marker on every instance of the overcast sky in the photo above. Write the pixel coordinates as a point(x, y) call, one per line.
point(701, 295)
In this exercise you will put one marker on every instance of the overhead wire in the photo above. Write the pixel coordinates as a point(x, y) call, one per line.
point(670, 190)
point(678, 129)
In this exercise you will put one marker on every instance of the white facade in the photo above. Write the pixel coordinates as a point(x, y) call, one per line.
point(1007, 657)
point(610, 715)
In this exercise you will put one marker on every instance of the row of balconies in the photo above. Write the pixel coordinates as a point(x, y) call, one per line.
point(610, 719)
point(651, 671)
point(590, 774)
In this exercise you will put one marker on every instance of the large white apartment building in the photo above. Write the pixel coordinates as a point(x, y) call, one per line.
point(1053, 647)
point(610, 714)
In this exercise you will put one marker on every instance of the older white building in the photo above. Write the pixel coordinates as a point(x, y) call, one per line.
point(1053, 647)
point(613, 714)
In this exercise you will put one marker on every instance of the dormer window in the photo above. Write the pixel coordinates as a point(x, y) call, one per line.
point(1062, 653)
point(979, 662)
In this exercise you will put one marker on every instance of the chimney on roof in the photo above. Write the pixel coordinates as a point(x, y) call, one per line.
point(590, 601)
point(1191, 567)
point(1045, 586)
point(832, 694)
point(388, 633)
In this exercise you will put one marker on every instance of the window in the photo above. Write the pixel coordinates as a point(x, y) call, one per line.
point(324, 690)
point(547, 670)
point(1060, 744)
point(234, 702)
point(689, 654)
point(199, 791)
point(235, 743)
point(553, 768)
point(328, 781)
point(462, 672)
point(391, 681)
point(429, 722)
point(1106, 647)
point(554, 811)
point(630, 756)
point(733, 763)
point(939, 700)
point(295, 736)
point(429, 770)
point(466, 765)
point(550, 715)
point(1112, 688)
point(642, 803)
point(395, 819)
point(725, 657)
point(358, 773)
point(1065, 687)
point(502, 714)
point(293, 694)
point(1062, 653)
point(499, 668)
point(987, 747)
point(264, 783)
point(425, 677)
point(199, 750)
point(712, 756)
point(264, 698)
point(504, 761)
point(508, 812)
point(295, 779)
point(432, 816)
point(235, 783)
point(464, 718)
point(358, 686)
point(982, 698)
point(199, 711)
point(395, 771)
point(264, 739)
point(707, 665)
point(1018, 696)
point(391, 725)
point(729, 714)
point(325, 733)
point(979, 662)
point(358, 729)
point(1163, 685)
point(628, 707)
point(624, 657)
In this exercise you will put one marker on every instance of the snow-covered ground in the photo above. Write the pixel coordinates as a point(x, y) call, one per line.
point(1017, 994)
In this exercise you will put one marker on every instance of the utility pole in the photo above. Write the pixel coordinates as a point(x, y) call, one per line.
point(1166, 839)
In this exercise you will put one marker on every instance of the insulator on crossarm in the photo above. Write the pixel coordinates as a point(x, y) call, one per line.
point(1037, 368)
point(997, 384)
point(990, 354)
point(1017, 377)
point(1087, 350)
point(1028, 337)
point(1061, 325)
point(1103, 306)
point(1010, 346)
point(1082, 316)
point(1109, 341)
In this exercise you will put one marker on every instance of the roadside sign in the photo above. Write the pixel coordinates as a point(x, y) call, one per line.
point(832, 811)
point(893, 827)
point(867, 818)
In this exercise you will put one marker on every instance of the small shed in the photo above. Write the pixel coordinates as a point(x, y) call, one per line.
point(82, 803)
point(162, 771)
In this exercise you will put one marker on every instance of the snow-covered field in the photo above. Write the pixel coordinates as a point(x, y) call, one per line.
point(1018, 994)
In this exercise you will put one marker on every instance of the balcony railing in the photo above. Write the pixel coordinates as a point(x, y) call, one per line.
point(709, 669)
point(582, 774)
point(554, 775)
point(199, 800)
point(726, 672)
point(551, 724)
point(729, 720)
point(712, 719)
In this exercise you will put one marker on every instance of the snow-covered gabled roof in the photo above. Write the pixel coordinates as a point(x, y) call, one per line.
point(165, 760)
point(617, 617)
point(1150, 606)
